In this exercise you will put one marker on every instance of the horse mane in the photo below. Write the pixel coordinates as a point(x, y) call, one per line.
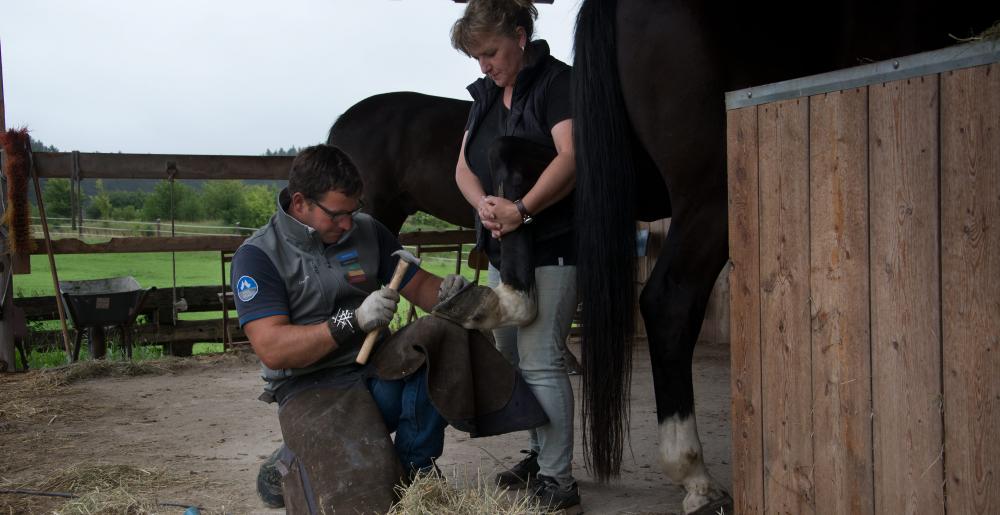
point(606, 174)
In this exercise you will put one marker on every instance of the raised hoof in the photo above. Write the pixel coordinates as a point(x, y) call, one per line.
point(470, 308)
point(720, 506)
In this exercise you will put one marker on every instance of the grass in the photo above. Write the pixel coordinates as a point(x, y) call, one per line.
point(39, 358)
point(192, 269)
point(150, 269)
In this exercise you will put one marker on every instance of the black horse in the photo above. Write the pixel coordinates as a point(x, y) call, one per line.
point(406, 146)
point(649, 121)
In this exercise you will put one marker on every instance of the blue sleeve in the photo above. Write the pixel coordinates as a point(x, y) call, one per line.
point(387, 244)
point(258, 290)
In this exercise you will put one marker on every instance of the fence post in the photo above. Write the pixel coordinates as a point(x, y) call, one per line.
point(157, 227)
point(6, 278)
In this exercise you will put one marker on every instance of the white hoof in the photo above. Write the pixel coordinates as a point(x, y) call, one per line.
point(484, 308)
point(681, 455)
point(516, 308)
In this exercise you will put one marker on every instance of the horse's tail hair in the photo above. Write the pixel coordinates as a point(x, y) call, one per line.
point(605, 212)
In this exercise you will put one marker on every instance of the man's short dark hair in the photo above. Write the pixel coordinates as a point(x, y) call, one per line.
point(323, 168)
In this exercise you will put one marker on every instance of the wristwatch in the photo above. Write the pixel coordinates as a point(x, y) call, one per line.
point(526, 217)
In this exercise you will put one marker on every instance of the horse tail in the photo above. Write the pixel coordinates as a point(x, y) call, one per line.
point(605, 212)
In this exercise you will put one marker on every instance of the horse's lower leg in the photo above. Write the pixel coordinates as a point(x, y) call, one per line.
point(673, 307)
point(515, 165)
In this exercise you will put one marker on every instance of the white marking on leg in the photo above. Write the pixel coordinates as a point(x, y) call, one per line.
point(517, 308)
point(682, 459)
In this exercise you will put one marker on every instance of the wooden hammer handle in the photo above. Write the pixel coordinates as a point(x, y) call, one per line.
point(397, 277)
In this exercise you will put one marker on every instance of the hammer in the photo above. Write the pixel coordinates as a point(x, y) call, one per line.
point(405, 260)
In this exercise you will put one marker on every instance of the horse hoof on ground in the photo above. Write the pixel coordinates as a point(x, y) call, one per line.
point(720, 503)
point(480, 307)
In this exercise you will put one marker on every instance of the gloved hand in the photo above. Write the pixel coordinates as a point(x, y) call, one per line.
point(451, 285)
point(377, 309)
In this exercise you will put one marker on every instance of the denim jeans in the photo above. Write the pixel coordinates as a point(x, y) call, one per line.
point(537, 350)
point(407, 411)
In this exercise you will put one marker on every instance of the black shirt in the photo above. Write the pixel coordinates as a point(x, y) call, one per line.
point(559, 249)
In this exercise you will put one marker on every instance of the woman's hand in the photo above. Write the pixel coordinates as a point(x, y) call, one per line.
point(499, 215)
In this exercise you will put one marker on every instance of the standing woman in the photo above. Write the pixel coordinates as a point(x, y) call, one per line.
point(523, 101)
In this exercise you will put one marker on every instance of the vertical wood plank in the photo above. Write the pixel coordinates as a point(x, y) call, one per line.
point(838, 215)
point(715, 327)
point(744, 280)
point(970, 233)
point(644, 265)
point(785, 333)
point(906, 355)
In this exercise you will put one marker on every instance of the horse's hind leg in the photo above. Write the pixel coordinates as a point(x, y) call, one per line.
point(672, 86)
point(673, 306)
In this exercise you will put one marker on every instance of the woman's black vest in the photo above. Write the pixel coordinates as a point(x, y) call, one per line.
point(526, 120)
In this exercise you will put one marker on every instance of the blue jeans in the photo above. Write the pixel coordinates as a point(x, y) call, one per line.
point(537, 350)
point(407, 411)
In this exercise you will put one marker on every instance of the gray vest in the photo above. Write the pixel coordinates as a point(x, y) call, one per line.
point(320, 279)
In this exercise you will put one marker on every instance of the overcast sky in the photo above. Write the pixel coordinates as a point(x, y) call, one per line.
point(225, 76)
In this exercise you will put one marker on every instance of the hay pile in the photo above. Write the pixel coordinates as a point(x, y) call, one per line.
point(990, 34)
point(91, 369)
point(104, 488)
point(433, 495)
point(41, 394)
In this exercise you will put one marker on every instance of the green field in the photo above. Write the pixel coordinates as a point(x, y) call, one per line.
point(154, 269)
point(157, 269)
point(150, 269)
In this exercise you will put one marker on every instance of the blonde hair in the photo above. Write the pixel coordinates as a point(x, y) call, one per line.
point(498, 17)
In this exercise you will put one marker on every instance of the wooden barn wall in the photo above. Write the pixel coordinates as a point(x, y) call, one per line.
point(783, 165)
point(865, 298)
point(838, 269)
point(906, 336)
point(970, 284)
point(744, 288)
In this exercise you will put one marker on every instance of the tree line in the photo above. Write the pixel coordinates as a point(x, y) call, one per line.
point(230, 202)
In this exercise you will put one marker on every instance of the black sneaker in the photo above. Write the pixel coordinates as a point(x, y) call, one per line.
point(552, 496)
point(269, 482)
point(518, 476)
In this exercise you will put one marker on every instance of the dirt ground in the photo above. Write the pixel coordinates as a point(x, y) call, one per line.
point(204, 424)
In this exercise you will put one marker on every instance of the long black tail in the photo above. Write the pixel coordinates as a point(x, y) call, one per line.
point(605, 209)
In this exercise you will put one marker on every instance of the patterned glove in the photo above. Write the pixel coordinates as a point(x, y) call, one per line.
point(377, 309)
point(451, 285)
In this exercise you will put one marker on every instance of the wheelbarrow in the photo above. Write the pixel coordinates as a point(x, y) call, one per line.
point(94, 304)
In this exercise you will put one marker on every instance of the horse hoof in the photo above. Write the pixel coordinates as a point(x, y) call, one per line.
point(720, 506)
point(479, 307)
point(473, 307)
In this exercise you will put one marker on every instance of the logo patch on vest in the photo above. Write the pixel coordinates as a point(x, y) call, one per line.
point(349, 261)
point(246, 288)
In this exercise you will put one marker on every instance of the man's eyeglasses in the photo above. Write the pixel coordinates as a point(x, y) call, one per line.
point(338, 216)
